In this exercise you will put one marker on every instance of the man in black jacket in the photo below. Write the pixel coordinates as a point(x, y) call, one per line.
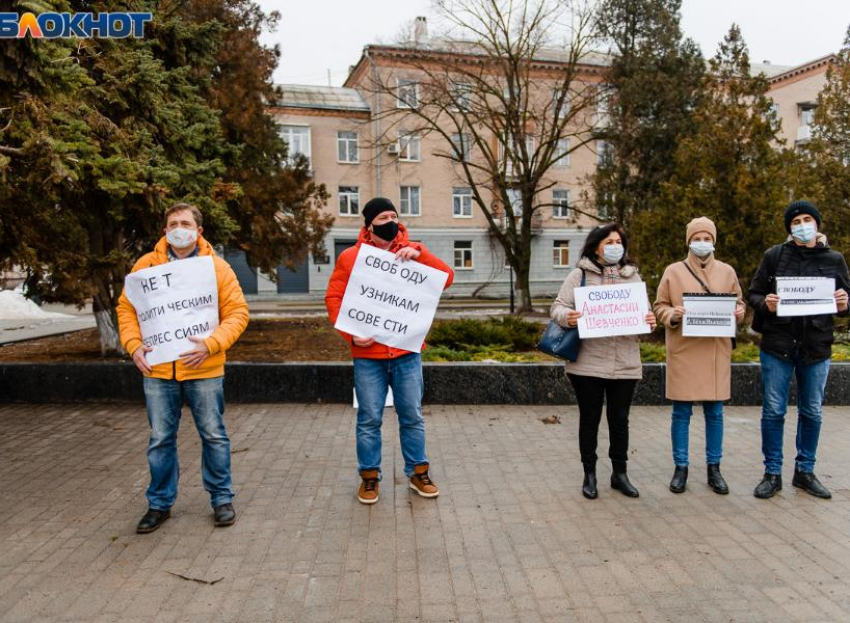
point(800, 345)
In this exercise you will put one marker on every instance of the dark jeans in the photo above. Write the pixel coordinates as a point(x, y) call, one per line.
point(591, 392)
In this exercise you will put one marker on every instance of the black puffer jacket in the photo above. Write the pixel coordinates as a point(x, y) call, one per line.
point(811, 336)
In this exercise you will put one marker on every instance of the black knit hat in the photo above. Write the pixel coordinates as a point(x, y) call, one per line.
point(375, 206)
point(797, 208)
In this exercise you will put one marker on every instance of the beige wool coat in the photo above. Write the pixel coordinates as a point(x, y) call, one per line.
point(601, 357)
point(698, 368)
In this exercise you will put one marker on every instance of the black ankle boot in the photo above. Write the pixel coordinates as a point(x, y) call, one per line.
point(716, 481)
point(620, 482)
point(769, 485)
point(809, 482)
point(679, 480)
point(588, 487)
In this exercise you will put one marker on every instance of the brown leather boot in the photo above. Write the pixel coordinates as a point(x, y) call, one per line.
point(421, 483)
point(368, 491)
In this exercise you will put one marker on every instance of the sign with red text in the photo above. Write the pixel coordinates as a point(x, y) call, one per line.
point(610, 310)
point(173, 302)
point(392, 301)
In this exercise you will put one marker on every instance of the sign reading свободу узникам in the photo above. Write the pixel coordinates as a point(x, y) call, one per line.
point(709, 315)
point(609, 310)
point(805, 296)
point(390, 300)
point(174, 301)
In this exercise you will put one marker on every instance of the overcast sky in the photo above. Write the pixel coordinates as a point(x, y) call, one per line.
point(320, 35)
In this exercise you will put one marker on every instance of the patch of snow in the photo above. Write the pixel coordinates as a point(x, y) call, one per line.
point(15, 306)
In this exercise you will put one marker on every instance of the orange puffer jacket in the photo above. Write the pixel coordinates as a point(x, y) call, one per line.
point(232, 317)
point(339, 281)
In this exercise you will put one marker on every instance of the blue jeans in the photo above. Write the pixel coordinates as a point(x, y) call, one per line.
point(713, 411)
point(205, 397)
point(811, 383)
point(371, 379)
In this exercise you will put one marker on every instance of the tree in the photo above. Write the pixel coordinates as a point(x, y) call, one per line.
point(507, 101)
point(99, 136)
point(827, 157)
point(278, 210)
point(729, 169)
point(654, 84)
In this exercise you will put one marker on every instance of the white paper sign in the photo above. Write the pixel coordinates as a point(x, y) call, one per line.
point(609, 310)
point(174, 301)
point(709, 315)
point(390, 300)
point(805, 296)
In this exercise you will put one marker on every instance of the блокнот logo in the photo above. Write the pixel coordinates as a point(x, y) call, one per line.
point(80, 25)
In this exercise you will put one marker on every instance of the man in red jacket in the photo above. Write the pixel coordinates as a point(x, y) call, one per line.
point(377, 367)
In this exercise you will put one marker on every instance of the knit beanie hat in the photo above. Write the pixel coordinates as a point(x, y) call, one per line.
point(797, 208)
point(702, 223)
point(375, 206)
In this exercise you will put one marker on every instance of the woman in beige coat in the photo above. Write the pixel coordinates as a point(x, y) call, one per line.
point(607, 369)
point(698, 368)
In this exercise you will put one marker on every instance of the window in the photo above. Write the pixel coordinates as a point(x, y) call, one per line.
point(461, 94)
point(349, 200)
point(562, 153)
point(409, 145)
point(561, 253)
point(346, 147)
point(604, 152)
point(603, 105)
point(462, 202)
point(561, 204)
point(408, 93)
point(297, 139)
point(515, 198)
point(410, 205)
point(463, 254)
point(461, 146)
point(807, 115)
point(513, 158)
point(604, 203)
point(564, 109)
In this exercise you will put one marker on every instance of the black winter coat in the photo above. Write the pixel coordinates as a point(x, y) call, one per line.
point(810, 336)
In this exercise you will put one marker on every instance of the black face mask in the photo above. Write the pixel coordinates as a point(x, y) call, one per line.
point(387, 231)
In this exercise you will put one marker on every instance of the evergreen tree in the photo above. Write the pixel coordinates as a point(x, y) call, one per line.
point(729, 170)
point(653, 85)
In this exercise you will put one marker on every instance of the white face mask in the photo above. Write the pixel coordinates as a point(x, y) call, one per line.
point(804, 232)
point(180, 238)
point(612, 253)
point(701, 248)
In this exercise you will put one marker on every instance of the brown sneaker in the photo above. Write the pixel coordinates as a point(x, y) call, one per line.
point(368, 491)
point(421, 483)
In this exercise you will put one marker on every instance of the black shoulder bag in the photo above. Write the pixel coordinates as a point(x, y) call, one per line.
point(560, 342)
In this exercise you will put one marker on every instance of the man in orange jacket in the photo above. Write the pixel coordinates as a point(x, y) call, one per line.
point(196, 378)
point(377, 367)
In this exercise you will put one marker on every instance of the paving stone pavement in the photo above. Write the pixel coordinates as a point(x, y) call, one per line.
point(510, 539)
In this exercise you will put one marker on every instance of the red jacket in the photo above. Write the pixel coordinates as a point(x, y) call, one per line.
point(339, 281)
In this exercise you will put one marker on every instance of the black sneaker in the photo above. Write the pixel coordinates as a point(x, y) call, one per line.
point(152, 520)
point(224, 515)
point(809, 482)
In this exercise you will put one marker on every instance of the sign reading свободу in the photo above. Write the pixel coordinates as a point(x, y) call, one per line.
point(174, 301)
point(609, 310)
point(389, 300)
point(805, 296)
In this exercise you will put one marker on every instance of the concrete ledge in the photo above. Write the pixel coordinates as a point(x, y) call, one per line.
point(459, 383)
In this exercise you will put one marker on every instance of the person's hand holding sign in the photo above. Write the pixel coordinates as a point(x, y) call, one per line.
point(140, 360)
point(678, 314)
point(651, 321)
point(771, 301)
point(363, 342)
point(572, 318)
point(407, 253)
point(197, 356)
point(841, 300)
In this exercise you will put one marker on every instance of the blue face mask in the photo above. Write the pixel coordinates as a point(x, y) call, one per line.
point(702, 249)
point(612, 253)
point(804, 232)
